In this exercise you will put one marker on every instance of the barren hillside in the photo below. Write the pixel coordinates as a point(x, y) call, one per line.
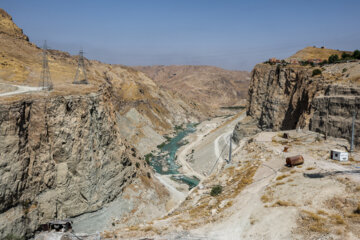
point(216, 87)
point(315, 53)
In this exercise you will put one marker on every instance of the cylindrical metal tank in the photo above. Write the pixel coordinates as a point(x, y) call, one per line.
point(294, 160)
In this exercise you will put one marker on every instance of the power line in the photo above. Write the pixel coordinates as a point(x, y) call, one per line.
point(46, 82)
point(81, 68)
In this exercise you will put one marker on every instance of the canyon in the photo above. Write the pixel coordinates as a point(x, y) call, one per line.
point(176, 152)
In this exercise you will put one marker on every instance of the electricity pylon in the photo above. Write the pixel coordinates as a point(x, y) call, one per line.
point(80, 68)
point(46, 83)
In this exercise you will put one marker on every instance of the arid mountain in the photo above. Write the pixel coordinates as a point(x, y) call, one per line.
point(315, 53)
point(216, 87)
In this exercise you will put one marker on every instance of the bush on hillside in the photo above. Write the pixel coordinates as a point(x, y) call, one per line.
point(356, 54)
point(216, 190)
point(333, 58)
point(345, 55)
point(316, 72)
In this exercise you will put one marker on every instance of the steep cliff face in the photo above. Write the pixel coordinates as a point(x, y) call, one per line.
point(289, 97)
point(61, 157)
point(280, 97)
point(334, 112)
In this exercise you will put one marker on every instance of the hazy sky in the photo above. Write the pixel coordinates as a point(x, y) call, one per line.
point(226, 33)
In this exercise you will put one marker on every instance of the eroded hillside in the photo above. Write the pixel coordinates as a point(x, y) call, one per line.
point(216, 87)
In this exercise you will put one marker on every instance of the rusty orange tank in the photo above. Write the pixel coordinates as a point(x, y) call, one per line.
point(294, 160)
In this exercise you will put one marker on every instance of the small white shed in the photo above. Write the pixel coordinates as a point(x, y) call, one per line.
point(339, 155)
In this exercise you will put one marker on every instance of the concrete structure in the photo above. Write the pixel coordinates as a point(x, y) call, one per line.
point(339, 155)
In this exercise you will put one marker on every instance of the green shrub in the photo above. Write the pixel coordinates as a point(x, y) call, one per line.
point(216, 190)
point(137, 165)
point(333, 58)
point(344, 70)
point(356, 54)
point(161, 145)
point(316, 72)
point(148, 157)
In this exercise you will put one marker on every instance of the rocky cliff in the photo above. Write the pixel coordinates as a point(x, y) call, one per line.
point(283, 97)
point(61, 157)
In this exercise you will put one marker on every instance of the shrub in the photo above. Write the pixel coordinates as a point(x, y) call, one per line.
point(216, 190)
point(148, 157)
point(137, 165)
point(345, 55)
point(316, 72)
point(356, 54)
point(333, 58)
point(357, 210)
point(344, 70)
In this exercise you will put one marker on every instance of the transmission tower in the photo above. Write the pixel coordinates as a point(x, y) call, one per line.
point(46, 83)
point(80, 68)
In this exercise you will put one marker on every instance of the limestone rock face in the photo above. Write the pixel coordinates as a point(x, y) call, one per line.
point(289, 97)
point(280, 97)
point(60, 157)
point(334, 110)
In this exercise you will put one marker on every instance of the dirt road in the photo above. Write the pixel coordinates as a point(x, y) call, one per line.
point(17, 89)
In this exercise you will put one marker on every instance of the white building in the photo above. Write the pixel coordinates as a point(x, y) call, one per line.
point(339, 155)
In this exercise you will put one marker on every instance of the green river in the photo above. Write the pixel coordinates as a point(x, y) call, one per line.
point(167, 157)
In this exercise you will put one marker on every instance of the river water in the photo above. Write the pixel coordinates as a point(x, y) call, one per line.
point(165, 162)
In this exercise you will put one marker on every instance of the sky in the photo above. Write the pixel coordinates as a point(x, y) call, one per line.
point(225, 33)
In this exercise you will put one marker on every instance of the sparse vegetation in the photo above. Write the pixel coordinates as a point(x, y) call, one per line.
point(178, 128)
point(333, 58)
point(357, 210)
point(281, 203)
point(338, 219)
point(161, 145)
point(148, 157)
point(281, 177)
point(314, 222)
point(322, 212)
point(216, 190)
point(316, 71)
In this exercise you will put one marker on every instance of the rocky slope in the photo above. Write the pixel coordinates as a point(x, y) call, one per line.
point(288, 97)
point(225, 87)
point(61, 157)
